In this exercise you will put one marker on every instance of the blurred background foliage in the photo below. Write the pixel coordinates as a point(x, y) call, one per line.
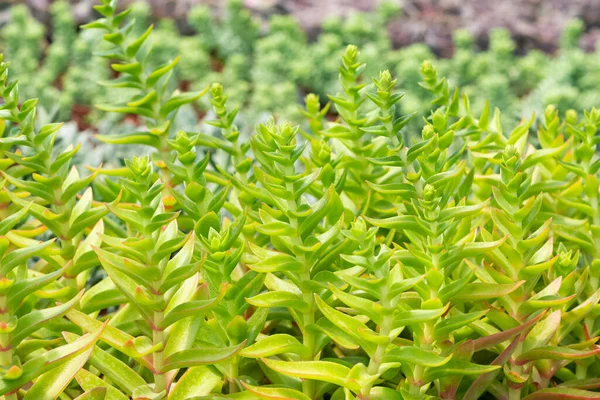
point(269, 54)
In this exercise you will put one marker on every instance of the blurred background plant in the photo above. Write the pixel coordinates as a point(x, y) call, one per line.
point(269, 54)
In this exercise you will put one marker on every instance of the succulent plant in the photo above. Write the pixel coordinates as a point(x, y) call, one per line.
point(364, 254)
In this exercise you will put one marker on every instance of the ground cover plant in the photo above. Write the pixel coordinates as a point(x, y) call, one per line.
point(375, 254)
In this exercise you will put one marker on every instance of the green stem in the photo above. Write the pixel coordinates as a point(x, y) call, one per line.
point(375, 362)
point(308, 385)
point(158, 336)
point(514, 393)
point(165, 150)
point(238, 158)
point(5, 354)
point(308, 338)
point(596, 220)
point(415, 384)
point(6, 351)
point(5, 357)
point(233, 375)
point(581, 369)
point(308, 318)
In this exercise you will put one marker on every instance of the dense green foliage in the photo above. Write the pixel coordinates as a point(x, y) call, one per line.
point(366, 253)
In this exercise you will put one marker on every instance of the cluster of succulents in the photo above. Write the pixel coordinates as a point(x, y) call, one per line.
point(519, 85)
point(60, 74)
point(365, 253)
